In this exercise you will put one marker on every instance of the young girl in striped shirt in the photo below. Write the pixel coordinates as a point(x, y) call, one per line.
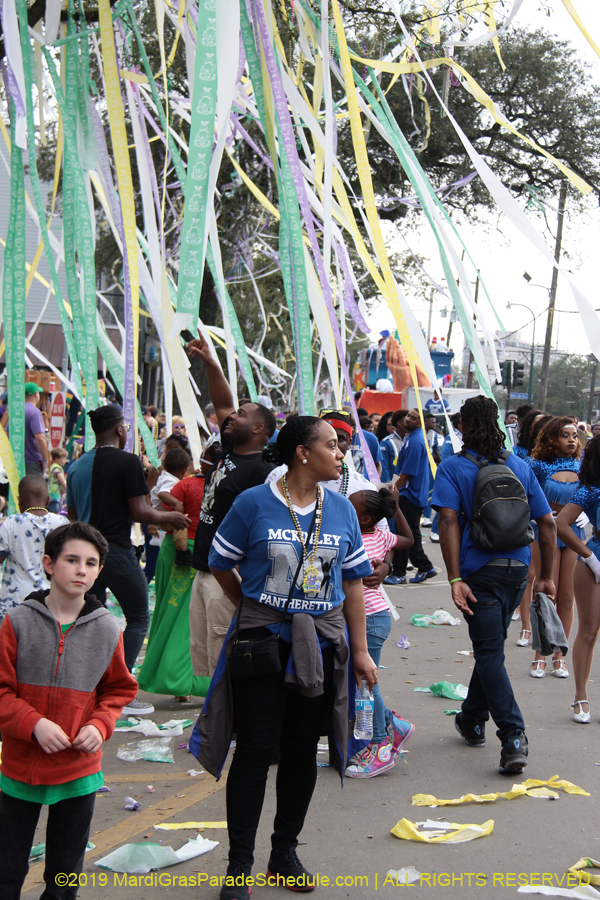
point(390, 732)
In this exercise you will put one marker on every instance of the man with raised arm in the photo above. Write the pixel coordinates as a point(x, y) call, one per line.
point(244, 435)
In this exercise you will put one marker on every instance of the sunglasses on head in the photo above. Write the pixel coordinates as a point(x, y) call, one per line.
point(338, 412)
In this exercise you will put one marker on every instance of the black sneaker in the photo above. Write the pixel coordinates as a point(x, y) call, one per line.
point(473, 732)
point(184, 558)
point(286, 870)
point(235, 887)
point(513, 757)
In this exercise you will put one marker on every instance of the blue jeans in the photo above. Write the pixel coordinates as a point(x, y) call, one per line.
point(498, 590)
point(434, 524)
point(379, 626)
point(123, 576)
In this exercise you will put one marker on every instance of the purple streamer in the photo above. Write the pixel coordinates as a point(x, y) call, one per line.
point(349, 301)
point(239, 127)
point(288, 138)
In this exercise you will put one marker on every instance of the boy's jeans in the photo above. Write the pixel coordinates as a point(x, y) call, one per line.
point(67, 834)
point(379, 625)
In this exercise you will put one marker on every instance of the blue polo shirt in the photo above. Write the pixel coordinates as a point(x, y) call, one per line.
point(414, 462)
point(453, 489)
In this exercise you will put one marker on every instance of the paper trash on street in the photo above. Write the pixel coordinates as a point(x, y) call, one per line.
point(407, 875)
point(139, 859)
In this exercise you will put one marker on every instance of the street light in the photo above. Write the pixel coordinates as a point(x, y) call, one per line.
point(530, 389)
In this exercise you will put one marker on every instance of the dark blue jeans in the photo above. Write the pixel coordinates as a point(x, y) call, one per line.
point(498, 590)
point(123, 576)
point(379, 626)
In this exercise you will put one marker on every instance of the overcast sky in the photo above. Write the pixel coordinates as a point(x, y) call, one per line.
point(503, 255)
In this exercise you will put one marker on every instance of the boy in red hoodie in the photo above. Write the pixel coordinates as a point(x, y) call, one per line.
point(63, 685)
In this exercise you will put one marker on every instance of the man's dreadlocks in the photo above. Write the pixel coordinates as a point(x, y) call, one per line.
point(481, 433)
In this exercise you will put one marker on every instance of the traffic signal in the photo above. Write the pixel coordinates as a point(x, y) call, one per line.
point(506, 372)
point(518, 374)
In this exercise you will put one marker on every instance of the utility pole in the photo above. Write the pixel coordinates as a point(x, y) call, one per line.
point(552, 299)
point(590, 410)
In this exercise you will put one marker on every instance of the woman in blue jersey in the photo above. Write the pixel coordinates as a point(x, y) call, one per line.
point(587, 573)
point(292, 527)
point(555, 463)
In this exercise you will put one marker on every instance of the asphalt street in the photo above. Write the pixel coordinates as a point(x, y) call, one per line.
point(347, 838)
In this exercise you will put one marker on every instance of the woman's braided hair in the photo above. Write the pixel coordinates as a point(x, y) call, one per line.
point(298, 431)
point(481, 430)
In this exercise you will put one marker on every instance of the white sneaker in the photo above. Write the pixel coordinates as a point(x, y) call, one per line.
point(516, 615)
point(536, 668)
point(426, 523)
point(582, 718)
point(434, 538)
point(524, 638)
point(138, 708)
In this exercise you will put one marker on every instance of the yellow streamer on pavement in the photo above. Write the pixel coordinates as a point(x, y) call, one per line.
point(586, 863)
point(176, 826)
point(409, 831)
point(531, 788)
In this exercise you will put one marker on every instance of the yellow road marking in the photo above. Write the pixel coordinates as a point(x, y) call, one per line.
point(150, 777)
point(123, 831)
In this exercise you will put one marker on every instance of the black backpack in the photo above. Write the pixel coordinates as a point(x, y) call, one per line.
point(501, 514)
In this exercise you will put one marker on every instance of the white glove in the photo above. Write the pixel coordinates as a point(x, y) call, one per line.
point(582, 520)
point(594, 564)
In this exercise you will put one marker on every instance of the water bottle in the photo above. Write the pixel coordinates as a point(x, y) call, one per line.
point(363, 706)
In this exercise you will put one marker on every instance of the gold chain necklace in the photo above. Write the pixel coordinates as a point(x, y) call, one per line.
point(311, 583)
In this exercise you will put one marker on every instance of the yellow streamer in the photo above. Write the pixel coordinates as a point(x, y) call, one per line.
point(8, 458)
point(364, 174)
point(482, 98)
point(122, 163)
point(531, 788)
point(408, 831)
point(586, 863)
point(575, 16)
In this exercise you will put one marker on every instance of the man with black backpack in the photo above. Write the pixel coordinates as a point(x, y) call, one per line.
point(486, 497)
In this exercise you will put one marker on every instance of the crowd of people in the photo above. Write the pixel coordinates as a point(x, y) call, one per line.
point(270, 563)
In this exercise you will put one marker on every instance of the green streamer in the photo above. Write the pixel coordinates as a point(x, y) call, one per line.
point(404, 154)
point(78, 233)
point(291, 251)
point(28, 63)
point(13, 301)
point(234, 324)
point(202, 129)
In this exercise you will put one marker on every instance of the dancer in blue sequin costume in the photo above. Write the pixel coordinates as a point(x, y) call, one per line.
point(530, 427)
point(587, 573)
point(555, 462)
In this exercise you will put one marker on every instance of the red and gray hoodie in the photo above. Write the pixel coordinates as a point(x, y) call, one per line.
point(76, 679)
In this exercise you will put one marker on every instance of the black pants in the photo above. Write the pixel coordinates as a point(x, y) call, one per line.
point(67, 835)
point(270, 716)
point(416, 554)
point(123, 576)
